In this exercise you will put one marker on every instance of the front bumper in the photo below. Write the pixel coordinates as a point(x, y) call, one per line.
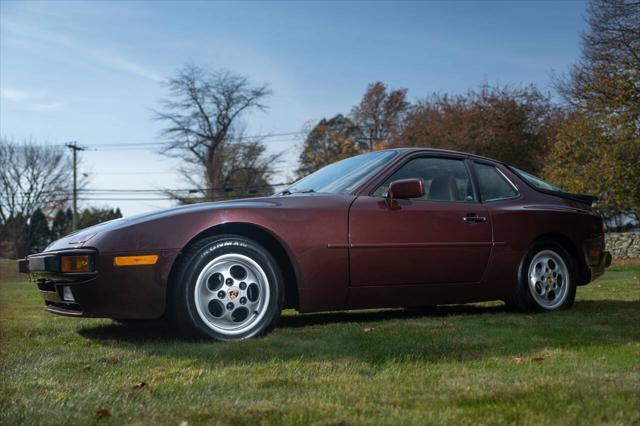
point(44, 270)
point(108, 291)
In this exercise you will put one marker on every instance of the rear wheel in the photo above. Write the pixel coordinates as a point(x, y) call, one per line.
point(547, 279)
point(227, 288)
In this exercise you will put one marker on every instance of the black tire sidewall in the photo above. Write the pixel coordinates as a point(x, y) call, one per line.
point(201, 256)
point(523, 280)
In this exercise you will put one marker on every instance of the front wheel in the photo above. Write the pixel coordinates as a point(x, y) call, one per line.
point(547, 279)
point(227, 288)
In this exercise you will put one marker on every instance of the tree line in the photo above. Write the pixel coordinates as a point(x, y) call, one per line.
point(589, 142)
point(32, 234)
point(585, 138)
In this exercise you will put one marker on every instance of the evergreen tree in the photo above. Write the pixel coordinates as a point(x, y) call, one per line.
point(39, 234)
point(93, 216)
point(60, 225)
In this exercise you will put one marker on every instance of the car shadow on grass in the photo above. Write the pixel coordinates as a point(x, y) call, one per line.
point(153, 330)
point(459, 333)
point(304, 320)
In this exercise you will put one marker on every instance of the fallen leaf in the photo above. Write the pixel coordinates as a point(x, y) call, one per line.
point(139, 385)
point(518, 360)
point(102, 412)
point(538, 359)
point(109, 360)
point(87, 367)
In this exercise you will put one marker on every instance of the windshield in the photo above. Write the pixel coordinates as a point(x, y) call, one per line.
point(344, 176)
point(536, 182)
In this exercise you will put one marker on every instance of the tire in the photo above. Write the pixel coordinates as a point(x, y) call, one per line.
point(546, 279)
point(226, 287)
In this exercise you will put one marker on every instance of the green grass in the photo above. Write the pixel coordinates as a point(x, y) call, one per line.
point(457, 365)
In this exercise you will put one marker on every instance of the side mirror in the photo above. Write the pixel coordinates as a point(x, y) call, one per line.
point(404, 188)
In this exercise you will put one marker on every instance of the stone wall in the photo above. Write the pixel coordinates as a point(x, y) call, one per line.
point(623, 245)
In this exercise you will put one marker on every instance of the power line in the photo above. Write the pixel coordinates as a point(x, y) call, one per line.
point(158, 173)
point(132, 173)
point(220, 188)
point(263, 136)
point(117, 194)
point(148, 146)
point(124, 191)
point(135, 199)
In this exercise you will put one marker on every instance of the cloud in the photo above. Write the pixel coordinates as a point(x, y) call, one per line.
point(98, 55)
point(29, 100)
point(119, 63)
point(49, 106)
point(14, 95)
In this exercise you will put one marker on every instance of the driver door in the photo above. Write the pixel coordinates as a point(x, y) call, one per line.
point(443, 237)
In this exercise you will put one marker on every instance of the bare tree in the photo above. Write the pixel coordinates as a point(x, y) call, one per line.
point(203, 128)
point(380, 114)
point(247, 171)
point(33, 177)
point(605, 79)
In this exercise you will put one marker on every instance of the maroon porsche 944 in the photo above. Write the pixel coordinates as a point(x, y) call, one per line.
point(393, 228)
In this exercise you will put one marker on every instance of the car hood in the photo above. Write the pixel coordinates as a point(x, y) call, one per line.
point(80, 237)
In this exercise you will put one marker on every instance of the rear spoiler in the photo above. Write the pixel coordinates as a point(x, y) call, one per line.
point(580, 198)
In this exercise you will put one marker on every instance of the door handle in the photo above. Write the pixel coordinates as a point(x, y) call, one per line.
point(474, 219)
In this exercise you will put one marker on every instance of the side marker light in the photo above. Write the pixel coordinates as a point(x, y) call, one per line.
point(150, 259)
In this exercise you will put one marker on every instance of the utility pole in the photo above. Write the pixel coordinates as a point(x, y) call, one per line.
point(74, 147)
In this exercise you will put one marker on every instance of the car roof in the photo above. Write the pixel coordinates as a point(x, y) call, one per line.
point(406, 150)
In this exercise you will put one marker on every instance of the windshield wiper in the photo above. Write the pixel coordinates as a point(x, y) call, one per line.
point(303, 191)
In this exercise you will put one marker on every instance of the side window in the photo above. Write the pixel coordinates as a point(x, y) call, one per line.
point(445, 179)
point(493, 184)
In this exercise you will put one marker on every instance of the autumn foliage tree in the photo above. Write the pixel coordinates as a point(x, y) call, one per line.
point(515, 125)
point(330, 140)
point(380, 114)
point(598, 148)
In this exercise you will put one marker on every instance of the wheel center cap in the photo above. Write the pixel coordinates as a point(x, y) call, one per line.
point(233, 293)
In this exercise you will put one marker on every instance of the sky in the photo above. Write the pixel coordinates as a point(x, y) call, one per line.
point(93, 72)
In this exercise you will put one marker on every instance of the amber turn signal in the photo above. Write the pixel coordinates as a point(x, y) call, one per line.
point(75, 264)
point(150, 259)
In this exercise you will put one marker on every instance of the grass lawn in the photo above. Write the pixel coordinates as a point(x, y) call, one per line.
point(457, 365)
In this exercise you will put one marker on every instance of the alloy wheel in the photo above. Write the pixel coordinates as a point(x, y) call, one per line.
point(548, 279)
point(232, 294)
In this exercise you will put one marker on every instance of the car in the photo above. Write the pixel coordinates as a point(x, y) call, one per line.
point(394, 228)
